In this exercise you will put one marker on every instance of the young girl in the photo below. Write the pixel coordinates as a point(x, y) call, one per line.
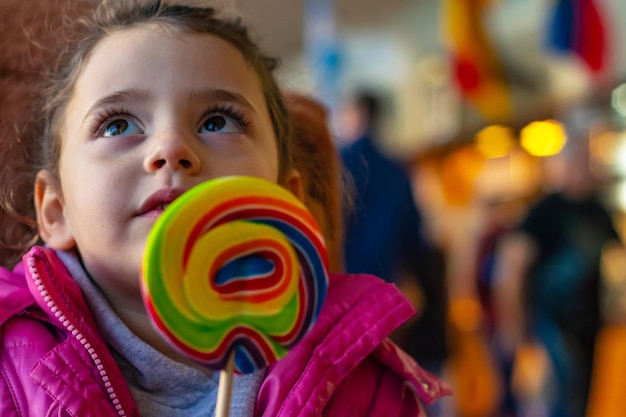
point(157, 99)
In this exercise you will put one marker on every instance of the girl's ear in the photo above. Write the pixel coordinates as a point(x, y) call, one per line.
point(293, 182)
point(54, 229)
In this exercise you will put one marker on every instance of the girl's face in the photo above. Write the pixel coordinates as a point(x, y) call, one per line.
point(153, 113)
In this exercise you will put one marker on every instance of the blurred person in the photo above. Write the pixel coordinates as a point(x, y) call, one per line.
point(500, 217)
point(317, 160)
point(384, 233)
point(383, 224)
point(547, 285)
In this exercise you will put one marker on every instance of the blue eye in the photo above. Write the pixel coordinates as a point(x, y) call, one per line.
point(118, 127)
point(220, 124)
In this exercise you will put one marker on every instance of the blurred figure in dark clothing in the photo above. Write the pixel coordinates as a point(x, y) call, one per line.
point(548, 280)
point(384, 232)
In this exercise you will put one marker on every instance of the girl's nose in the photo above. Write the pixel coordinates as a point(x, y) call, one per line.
point(173, 152)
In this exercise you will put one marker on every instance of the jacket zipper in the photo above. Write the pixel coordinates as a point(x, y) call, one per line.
point(58, 313)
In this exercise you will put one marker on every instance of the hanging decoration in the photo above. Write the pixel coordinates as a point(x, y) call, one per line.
point(577, 27)
point(476, 67)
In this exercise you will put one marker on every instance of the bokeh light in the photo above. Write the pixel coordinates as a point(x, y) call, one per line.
point(495, 141)
point(543, 138)
point(618, 99)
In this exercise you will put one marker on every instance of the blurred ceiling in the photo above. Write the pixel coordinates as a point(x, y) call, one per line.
point(279, 24)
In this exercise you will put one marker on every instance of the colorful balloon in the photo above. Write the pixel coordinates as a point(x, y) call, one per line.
point(235, 264)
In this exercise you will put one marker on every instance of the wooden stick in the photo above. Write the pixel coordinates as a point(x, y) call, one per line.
point(225, 388)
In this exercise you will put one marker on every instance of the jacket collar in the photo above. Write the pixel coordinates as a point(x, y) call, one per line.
point(60, 298)
point(15, 297)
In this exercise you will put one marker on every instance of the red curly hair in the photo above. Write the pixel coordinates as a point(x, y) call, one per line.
point(315, 156)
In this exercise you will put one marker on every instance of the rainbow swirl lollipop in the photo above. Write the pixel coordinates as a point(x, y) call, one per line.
point(235, 264)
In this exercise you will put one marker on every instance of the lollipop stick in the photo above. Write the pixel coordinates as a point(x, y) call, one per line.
point(225, 388)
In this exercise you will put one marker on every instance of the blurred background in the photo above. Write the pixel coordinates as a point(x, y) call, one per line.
point(482, 100)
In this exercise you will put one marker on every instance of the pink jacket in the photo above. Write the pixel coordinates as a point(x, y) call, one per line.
point(54, 361)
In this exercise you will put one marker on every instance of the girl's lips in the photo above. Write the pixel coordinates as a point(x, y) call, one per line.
point(152, 214)
point(154, 205)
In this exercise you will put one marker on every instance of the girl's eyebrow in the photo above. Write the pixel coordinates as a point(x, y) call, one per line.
point(217, 94)
point(119, 97)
